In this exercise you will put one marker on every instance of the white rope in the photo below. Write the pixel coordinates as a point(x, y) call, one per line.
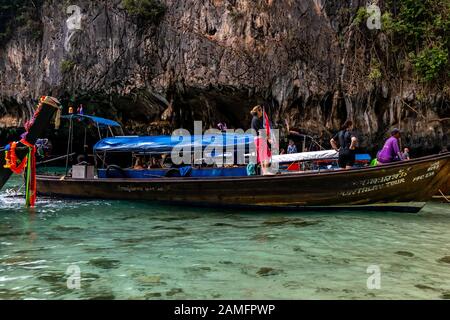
point(443, 195)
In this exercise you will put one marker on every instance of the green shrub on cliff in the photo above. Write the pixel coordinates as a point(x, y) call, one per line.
point(430, 63)
point(422, 28)
point(361, 16)
point(67, 66)
point(148, 11)
point(20, 15)
point(375, 71)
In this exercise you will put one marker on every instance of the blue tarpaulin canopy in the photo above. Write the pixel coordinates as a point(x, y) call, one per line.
point(165, 144)
point(99, 122)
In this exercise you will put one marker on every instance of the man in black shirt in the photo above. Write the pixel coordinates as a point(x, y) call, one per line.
point(347, 142)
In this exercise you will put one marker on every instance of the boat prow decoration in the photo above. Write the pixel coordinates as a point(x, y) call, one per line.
point(17, 156)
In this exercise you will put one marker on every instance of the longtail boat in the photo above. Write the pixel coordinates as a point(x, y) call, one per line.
point(400, 186)
point(36, 128)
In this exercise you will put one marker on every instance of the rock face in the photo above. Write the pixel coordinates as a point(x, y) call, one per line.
point(213, 60)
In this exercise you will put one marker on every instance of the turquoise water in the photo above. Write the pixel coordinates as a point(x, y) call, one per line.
point(127, 250)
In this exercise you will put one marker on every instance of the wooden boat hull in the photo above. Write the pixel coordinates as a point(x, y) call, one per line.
point(403, 186)
point(445, 189)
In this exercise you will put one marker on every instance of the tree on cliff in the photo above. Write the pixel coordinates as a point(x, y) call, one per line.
point(16, 14)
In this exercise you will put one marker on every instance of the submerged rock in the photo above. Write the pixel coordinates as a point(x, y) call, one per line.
point(277, 221)
point(150, 279)
point(105, 296)
point(204, 268)
point(264, 272)
point(57, 281)
point(14, 260)
point(292, 284)
point(445, 295)
point(445, 259)
point(197, 271)
point(347, 291)
point(323, 290)
point(53, 277)
point(129, 218)
point(131, 240)
point(55, 238)
point(67, 228)
point(104, 263)
point(169, 219)
point(8, 294)
point(305, 223)
point(425, 287)
point(280, 221)
point(220, 224)
point(150, 239)
point(96, 249)
point(405, 253)
point(174, 291)
point(169, 228)
point(152, 295)
point(90, 276)
point(12, 234)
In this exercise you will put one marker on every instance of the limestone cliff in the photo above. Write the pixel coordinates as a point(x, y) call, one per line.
point(212, 60)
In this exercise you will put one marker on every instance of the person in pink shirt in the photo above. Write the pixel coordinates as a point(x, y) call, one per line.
point(391, 150)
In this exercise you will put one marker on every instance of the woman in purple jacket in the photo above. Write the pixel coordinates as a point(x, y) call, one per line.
point(391, 150)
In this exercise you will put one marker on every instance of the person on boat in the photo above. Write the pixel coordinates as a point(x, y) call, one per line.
point(222, 126)
point(165, 161)
point(43, 148)
point(405, 155)
point(139, 165)
point(80, 109)
point(347, 142)
point(292, 148)
point(391, 150)
point(263, 152)
point(154, 163)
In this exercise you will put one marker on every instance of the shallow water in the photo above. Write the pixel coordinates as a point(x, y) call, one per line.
point(127, 250)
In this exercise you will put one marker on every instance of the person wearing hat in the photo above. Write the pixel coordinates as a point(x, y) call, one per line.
point(391, 149)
